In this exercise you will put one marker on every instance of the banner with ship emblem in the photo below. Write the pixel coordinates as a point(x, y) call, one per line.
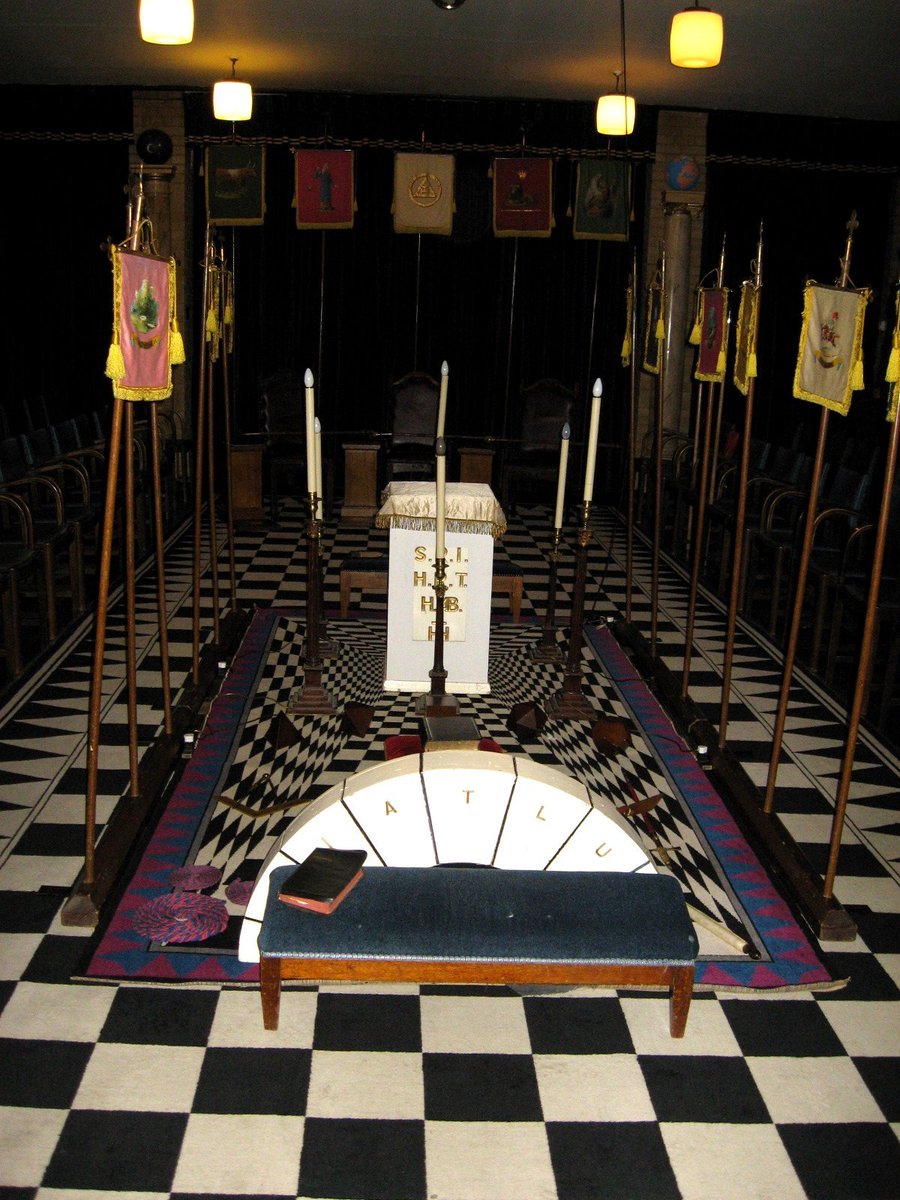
point(523, 197)
point(602, 200)
point(324, 189)
point(829, 365)
point(423, 193)
point(235, 184)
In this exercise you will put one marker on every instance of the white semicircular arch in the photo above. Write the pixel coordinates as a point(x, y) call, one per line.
point(456, 806)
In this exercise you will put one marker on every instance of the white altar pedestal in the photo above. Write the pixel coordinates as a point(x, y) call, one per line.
point(473, 520)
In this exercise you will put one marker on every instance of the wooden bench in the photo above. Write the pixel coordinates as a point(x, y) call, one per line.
point(470, 925)
point(371, 574)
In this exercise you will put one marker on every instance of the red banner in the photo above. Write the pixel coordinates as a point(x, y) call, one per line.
point(523, 197)
point(324, 189)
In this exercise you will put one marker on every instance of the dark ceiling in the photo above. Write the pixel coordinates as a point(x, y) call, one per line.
point(807, 57)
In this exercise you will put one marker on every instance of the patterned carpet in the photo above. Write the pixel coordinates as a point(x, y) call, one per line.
point(404, 1093)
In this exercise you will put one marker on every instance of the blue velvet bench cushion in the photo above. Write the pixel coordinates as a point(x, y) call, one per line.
point(479, 925)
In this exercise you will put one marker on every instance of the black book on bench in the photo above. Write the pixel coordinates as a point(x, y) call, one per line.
point(323, 879)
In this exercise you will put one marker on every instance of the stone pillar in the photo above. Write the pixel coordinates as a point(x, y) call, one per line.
point(680, 285)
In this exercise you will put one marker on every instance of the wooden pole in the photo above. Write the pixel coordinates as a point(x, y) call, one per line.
point(199, 442)
point(657, 457)
point(130, 655)
point(700, 494)
point(632, 437)
point(159, 548)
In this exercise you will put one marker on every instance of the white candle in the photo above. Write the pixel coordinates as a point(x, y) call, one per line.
point(442, 402)
point(310, 432)
point(440, 452)
point(320, 504)
point(561, 481)
point(592, 442)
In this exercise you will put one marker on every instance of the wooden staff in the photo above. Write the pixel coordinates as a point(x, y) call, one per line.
point(214, 349)
point(159, 543)
point(632, 436)
point(199, 436)
point(657, 454)
point(865, 660)
point(227, 348)
point(130, 656)
point(740, 512)
point(803, 565)
point(700, 493)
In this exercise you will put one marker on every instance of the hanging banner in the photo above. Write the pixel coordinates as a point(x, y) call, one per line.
point(423, 193)
point(324, 195)
point(654, 330)
point(602, 200)
point(892, 372)
point(235, 184)
point(745, 344)
point(146, 341)
point(523, 197)
point(712, 335)
point(829, 365)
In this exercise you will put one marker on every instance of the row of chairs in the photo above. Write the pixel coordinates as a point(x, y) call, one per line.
point(52, 492)
point(839, 564)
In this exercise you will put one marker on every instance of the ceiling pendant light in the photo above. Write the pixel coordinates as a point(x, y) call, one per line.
point(615, 110)
point(615, 113)
point(695, 39)
point(167, 22)
point(449, 5)
point(232, 98)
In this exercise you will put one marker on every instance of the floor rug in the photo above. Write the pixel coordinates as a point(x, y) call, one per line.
point(254, 766)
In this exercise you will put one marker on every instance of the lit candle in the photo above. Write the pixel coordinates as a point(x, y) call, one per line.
point(592, 442)
point(310, 432)
point(320, 504)
point(561, 481)
point(442, 402)
point(440, 459)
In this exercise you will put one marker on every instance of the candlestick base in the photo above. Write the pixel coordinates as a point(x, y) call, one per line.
point(571, 706)
point(430, 704)
point(310, 699)
point(329, 647)
point(546, 652)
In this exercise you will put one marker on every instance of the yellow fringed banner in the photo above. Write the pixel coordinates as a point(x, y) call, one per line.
point(712, 355)
point(629, 319)
point(892, 374)
point(654, 330)
point(829, 363)
point(145, 339)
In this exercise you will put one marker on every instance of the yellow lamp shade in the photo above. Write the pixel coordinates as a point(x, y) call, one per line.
point(695, 39)
point(615, 114)
point(232, 100)
point(167, 22)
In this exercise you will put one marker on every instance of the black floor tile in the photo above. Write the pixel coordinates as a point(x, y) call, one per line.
point(481, 1087)
point(160, 1016)
point(702, 1089)
point(41, 1074)
point(844, 1162)
point(795, 1028)
point(56, 960)
point(363, 1160)
point(368, 1022)
point(117, 1151)
point(879, 930)
point(614, 1161)
point(882, 1077)
point(29, 912)
point(867, 978)
point(557, 1025)
point(239, 1080)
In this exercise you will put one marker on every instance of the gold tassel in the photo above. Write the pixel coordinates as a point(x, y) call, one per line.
point(212, 325)
point(751, 365)
point(626, 350)
point(660, 330)
point(721, 361)
point(856, 376)
point(176, 345)
point(694, 339)
point(115, 362)
point(892, 374)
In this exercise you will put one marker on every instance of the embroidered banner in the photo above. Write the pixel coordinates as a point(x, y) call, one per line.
point(423, 193)
point(602, 200)
point(235, 184)
point(892, 372)
point(145, 339)
point(523, 197)
point(654, 330)
point(712, 336)
point(829, 365)
point(745, 342)
point(324, 189)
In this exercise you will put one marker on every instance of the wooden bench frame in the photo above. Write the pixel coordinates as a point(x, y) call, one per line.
point(674, 975)
point(377, 581)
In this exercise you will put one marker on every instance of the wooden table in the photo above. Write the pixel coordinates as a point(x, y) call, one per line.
point(360, 484)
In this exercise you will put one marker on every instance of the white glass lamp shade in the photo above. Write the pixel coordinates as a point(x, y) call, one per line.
point(615, 114)
point(232, 100)
point(167, 22)
point(695, 39)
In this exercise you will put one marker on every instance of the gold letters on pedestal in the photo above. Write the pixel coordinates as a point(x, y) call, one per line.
point(424, 604)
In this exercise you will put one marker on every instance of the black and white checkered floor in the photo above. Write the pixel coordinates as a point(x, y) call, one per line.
point(408, 1093)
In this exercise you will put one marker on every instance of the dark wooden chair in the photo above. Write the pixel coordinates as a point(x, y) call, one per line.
point(282, 401)
point(412, 417)
point(532, 460)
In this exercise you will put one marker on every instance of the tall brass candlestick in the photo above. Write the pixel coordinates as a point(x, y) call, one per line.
point(438, 702)
point(312, 697)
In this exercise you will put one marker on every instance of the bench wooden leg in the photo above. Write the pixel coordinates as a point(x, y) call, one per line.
point(270, 990)
point(345, 594)
point(680, 999)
